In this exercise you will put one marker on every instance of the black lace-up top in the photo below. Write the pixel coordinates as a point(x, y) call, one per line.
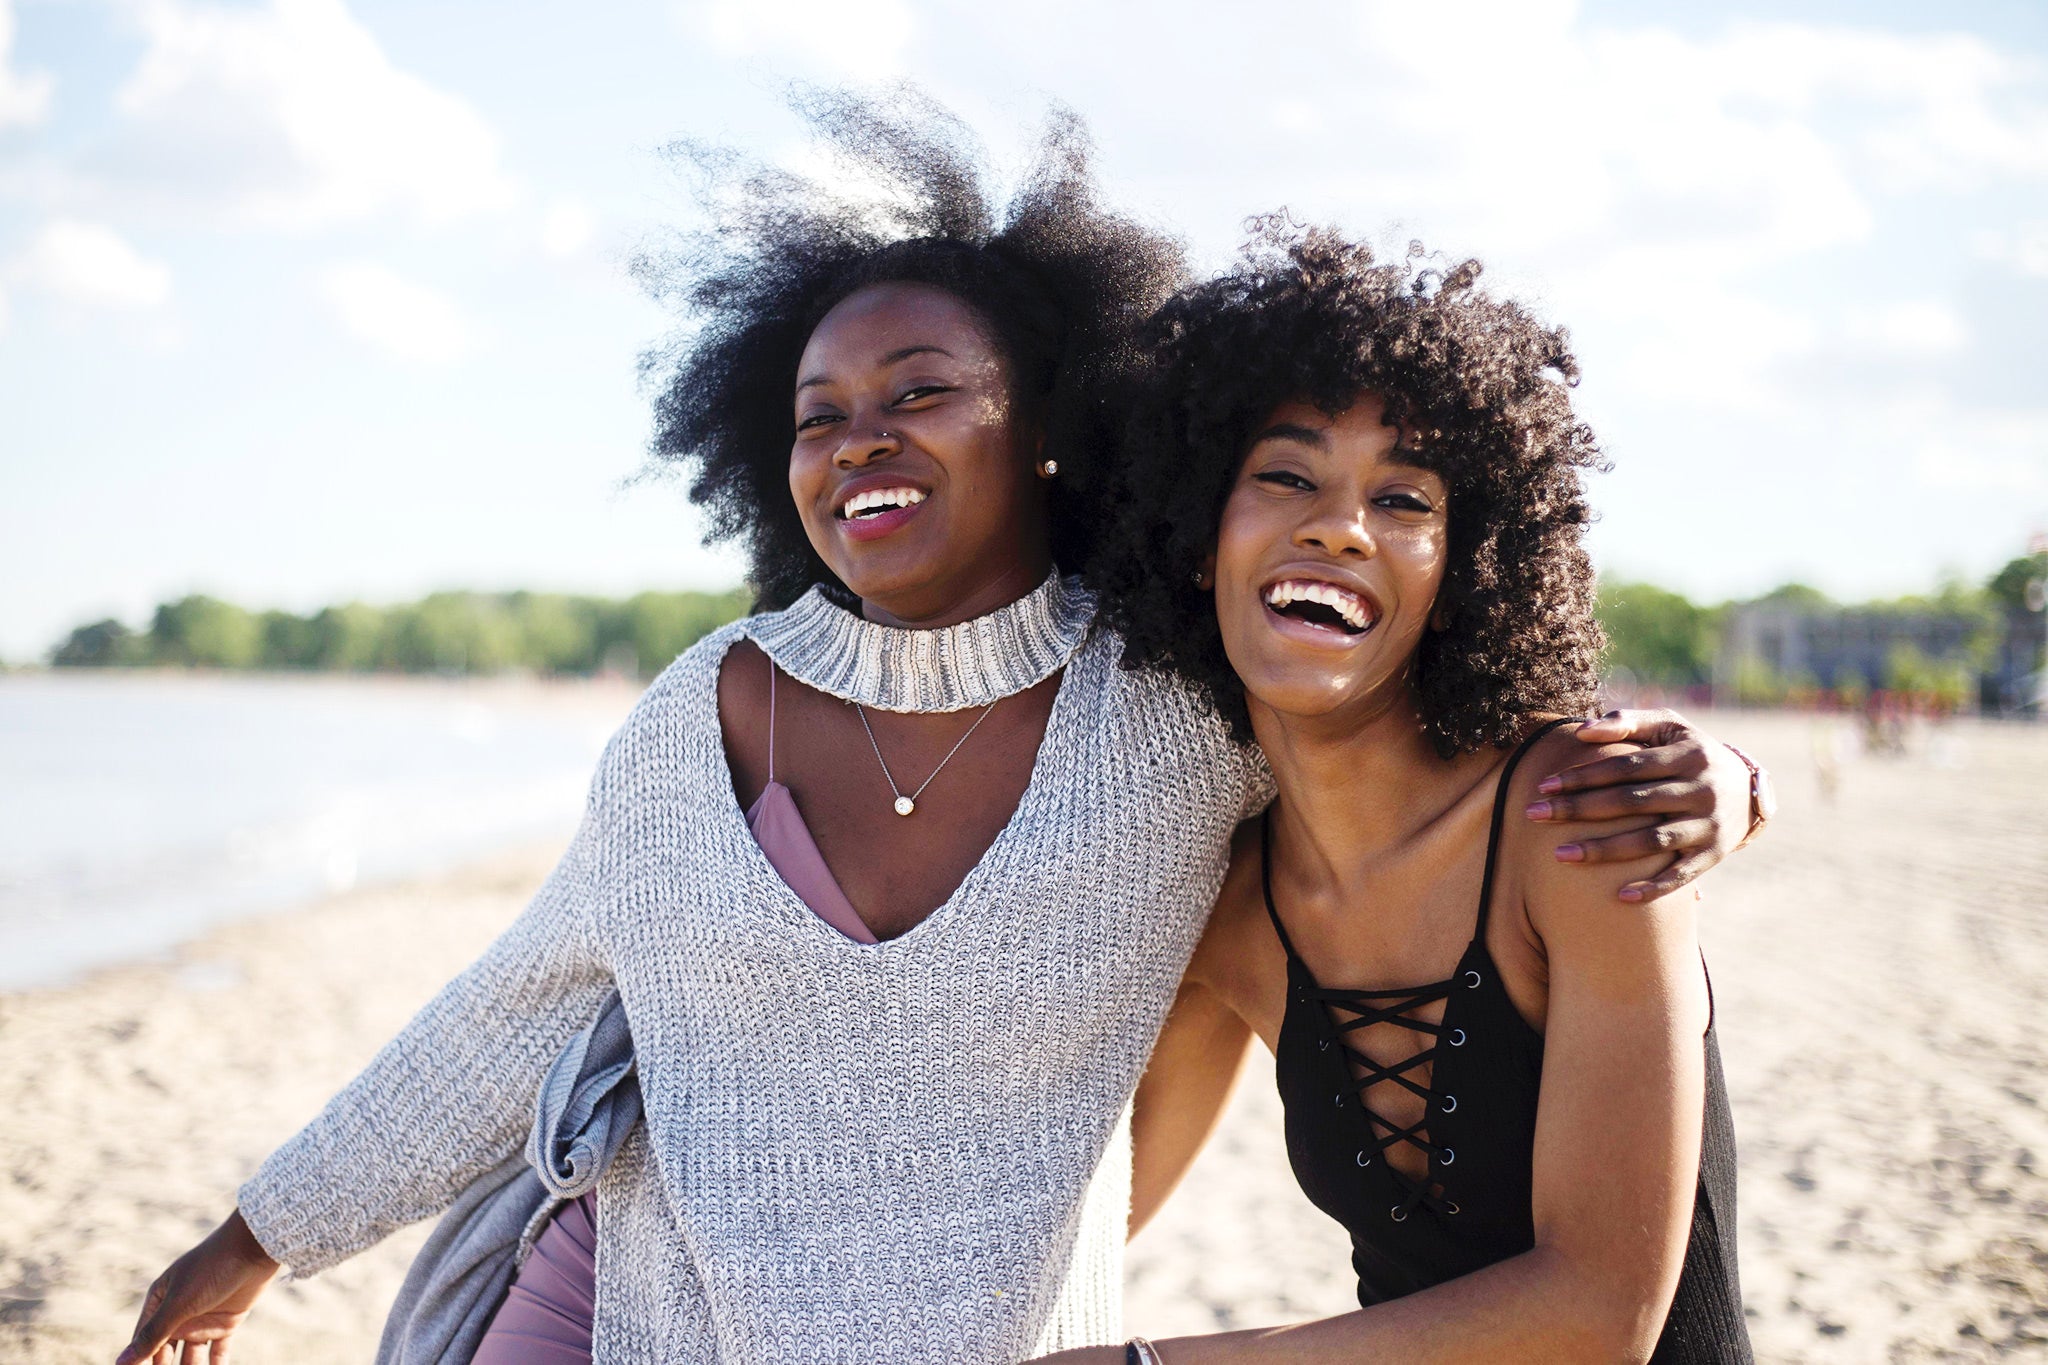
point(1477, 1072)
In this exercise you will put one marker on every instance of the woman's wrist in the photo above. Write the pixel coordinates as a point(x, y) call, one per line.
point(1763, 796)
point(237, 1236)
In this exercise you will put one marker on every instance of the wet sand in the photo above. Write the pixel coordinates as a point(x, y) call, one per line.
point(1880, 963)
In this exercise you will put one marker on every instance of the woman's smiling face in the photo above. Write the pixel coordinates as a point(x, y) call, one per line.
point(1329, 558)
point(911, 466)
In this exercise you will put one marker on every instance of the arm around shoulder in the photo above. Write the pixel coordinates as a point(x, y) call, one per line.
point(1619, 1121)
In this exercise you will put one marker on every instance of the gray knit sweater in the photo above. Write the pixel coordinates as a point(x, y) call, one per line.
point(911, 1151)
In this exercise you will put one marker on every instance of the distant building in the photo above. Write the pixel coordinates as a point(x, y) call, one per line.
point(2015, 680)
point(1842, 647)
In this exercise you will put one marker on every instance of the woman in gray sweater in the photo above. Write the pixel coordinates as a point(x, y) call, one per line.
point(917, 1147)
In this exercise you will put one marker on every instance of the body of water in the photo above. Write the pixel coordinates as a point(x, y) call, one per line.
point(137, 809)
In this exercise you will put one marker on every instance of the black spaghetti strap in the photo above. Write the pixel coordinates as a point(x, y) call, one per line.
point(1500, 811)
point(1266, 881)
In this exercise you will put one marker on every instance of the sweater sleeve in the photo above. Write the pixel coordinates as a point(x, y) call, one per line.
point(452, 1095)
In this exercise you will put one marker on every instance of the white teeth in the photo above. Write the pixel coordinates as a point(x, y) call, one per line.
point(1345, 603)
point(880, 497)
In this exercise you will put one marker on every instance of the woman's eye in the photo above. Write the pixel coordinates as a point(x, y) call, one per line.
point(1283, 478)
point(921, 391)
point(816, 419)
point(1404, 502)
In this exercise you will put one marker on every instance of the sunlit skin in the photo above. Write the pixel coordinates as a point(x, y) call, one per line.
point(1378, 851)
point(900, 385)
point(1329, 500)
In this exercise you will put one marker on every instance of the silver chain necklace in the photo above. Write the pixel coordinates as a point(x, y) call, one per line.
point(906, 804)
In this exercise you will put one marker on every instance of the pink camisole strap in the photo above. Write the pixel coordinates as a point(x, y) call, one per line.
point(779, 828)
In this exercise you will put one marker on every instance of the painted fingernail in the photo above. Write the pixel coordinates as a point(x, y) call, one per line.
point(1550, 784)
point(1631, 893)
point(1539, 810)
point(1570, 853)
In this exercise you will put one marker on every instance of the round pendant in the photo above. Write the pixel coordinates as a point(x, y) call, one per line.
point(904, 805)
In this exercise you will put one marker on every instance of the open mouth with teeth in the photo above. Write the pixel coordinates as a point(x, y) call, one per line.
point(875, 502)
point(1322, 605)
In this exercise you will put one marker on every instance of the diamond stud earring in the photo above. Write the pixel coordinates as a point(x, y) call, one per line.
point(1048, 469)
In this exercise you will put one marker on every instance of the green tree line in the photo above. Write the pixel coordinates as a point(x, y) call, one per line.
point(1658, 635)
point(447, 632)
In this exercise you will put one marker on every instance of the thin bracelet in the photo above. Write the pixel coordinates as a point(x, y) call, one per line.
point(1138, 1351)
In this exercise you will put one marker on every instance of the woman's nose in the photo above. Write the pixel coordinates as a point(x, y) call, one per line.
point(866, 442)
point(1338, 531)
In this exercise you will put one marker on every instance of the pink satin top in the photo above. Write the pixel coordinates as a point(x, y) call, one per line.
point(780, 830)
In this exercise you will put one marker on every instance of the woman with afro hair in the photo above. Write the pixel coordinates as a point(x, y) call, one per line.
point(895, 879)
point(1352, 518)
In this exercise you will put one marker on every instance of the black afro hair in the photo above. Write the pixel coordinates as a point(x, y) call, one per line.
point(1061, 282)
point(1308, 315)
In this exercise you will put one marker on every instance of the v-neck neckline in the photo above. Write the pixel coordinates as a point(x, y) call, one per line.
point(732, 821)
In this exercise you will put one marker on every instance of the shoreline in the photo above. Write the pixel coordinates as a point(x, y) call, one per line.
point(1877, 965)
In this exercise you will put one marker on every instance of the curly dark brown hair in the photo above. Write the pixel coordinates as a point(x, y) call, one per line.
point(1308, 315)
point(1060, 281)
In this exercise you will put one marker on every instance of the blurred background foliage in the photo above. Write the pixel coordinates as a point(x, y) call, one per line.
point(447, 632)
point(1940, 645)
point(1795, 645)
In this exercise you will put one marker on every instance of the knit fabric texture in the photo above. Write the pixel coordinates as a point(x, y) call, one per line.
point(974, 663)
point(916, 1150)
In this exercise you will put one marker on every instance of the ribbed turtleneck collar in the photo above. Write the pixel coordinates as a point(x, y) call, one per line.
point(892, 668)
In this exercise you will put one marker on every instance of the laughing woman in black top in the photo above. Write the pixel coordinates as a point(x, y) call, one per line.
point(1503, 1085)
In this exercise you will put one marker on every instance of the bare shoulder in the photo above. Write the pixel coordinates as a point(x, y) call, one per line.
point(743, 685)
point(1529, 848)
point(1587, 935)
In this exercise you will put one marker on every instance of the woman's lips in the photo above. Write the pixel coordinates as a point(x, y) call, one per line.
point(1308, 632)
point(878, 524)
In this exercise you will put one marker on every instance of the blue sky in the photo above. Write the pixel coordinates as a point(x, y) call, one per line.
point(305, 300)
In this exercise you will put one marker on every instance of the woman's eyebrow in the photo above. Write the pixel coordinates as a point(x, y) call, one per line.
point(1293, 431)
point(908, 351)
point(901, 353)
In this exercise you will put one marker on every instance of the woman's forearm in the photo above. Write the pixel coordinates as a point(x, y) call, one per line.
point(1181, 1098)
point(446, 1100)
point(1540, 1306)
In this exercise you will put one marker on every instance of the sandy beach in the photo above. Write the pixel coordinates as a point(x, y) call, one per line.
point(1880, 962)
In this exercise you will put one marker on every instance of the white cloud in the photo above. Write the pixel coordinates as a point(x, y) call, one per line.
point(861, 39)
point(566, 228)
point(24, 96)
point(290, 114)
point(1998, 454)
point(89, 265)
point(405, 319)
point(2024, 249)
point(1921, 327)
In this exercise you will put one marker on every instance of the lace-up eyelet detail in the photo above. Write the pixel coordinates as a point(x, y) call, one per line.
point(1471, 980)
point(1445, 1156)
point(1450, 1104)
point(1398, 1213)
point(1457, 1038)
point(1363, 1160)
